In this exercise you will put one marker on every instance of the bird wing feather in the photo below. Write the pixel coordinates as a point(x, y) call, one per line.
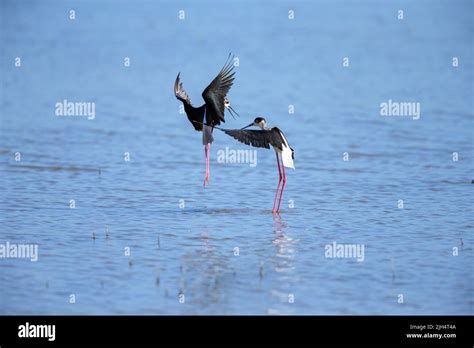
point(214, 94)
point(255, 138)
point(180, 92)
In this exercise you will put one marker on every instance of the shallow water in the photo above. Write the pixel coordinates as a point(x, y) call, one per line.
point(190, 250)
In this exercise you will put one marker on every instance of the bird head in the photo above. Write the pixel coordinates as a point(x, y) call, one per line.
point(258, 122)
point(228, 107)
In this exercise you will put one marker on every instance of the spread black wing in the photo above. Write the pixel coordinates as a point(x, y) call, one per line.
point(195, 115)
point(179, 91)
point(257, 138)
point(214, 94)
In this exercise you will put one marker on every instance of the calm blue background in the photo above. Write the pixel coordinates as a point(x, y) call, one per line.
point(190, 251)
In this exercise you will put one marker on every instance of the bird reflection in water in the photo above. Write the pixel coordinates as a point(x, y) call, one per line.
point(284, 267)
point(285, 246)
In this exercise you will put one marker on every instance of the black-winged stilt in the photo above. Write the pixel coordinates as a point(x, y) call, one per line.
point(264, 137)
point(211, 114)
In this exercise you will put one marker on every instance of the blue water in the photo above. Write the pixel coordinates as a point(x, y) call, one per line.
point(190, 250)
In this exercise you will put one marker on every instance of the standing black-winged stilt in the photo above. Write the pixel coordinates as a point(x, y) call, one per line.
point(211, 114)
point(265, 137)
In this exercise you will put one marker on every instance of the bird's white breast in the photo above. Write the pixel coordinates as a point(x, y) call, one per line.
point(287, 154)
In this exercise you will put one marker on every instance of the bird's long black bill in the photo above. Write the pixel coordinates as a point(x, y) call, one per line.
point(250, 125)
point(232, 112)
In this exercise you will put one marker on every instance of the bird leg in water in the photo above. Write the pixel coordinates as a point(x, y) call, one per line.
point(207, 154)
point(282, 186)
point(279, 182)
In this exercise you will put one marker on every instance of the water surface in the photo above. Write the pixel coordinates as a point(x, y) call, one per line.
point(190, 250)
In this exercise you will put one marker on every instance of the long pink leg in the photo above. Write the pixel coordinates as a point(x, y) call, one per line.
point(208, 162)
point(206, 178)
point(279, 182)
point(282, 186)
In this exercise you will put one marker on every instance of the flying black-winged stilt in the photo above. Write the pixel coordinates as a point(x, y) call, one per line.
point(211, 114)
point(264, 137)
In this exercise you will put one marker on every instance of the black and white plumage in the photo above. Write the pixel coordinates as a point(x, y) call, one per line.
point(209, 115)
point(265, 137)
